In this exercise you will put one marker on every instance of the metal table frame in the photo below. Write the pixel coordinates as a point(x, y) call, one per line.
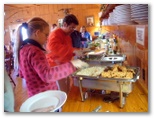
point(120, 82)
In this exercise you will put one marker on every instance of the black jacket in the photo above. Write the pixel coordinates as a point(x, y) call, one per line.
point(76, 39)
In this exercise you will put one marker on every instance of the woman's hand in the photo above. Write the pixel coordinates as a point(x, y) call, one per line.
point(79, 53)
point(86, 50)
point(79, 64)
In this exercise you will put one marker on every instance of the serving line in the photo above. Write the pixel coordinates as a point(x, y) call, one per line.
point(120, 85)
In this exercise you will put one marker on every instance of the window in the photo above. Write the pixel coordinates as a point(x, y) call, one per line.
point(24, 33)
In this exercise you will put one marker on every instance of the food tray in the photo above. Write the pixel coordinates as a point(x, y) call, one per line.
point(120, 85)
point(96, 53)
point(136, 76)
point(92, 58)
point(104, 58)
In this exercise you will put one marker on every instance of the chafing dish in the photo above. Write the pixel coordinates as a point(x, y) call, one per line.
point(105, 58)
point(113, 58)
point(120, 85)
point(93, 57)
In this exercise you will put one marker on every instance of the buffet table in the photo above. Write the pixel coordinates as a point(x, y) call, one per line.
point(121, 85)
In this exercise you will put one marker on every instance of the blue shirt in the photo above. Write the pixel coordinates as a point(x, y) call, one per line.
point(86, 35)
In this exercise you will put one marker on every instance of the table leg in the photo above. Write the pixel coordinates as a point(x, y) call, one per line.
point(80, 87)
point(121, 96)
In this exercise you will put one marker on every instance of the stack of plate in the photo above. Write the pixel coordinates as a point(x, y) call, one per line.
point(111, 19)
point(122, 15)
point(105, 22)
point(139, 13)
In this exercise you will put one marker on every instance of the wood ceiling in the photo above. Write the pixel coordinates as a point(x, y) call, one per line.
point(11, 10)
point(9, 7)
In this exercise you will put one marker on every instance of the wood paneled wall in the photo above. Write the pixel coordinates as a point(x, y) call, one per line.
point(51, 13)
point(137, 55)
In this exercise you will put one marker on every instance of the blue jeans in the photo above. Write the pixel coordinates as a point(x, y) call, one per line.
point(84, 44)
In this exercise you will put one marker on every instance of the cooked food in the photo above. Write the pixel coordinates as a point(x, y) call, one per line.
point(106, 74)
point(118, 74)
point(91, 71)
point(118, 71)
point(92, 48)
point(131, 70)
point(122, 68)
point(115, 69)
point(129, 75)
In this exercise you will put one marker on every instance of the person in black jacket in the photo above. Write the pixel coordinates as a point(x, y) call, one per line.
point(76, 39)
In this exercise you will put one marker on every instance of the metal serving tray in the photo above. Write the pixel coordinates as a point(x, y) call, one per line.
point(93, 58)
point(113, 58)
point(105, 58)
point(120, 85)
point(136, 76)
point(112, 84)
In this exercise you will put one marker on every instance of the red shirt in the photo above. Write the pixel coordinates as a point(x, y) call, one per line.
point(60, 47)
point(37, 71)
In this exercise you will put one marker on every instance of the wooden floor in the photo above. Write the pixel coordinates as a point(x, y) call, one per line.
point(136, 101)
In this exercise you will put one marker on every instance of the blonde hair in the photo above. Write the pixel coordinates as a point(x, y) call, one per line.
point(32, 25)
point(82, 28)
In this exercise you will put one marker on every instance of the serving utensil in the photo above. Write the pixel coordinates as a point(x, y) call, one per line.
point(97, 109)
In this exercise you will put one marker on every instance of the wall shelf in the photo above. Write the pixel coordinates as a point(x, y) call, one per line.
point(107, 9)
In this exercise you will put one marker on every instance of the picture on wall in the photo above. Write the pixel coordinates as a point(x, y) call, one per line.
point(90, 21)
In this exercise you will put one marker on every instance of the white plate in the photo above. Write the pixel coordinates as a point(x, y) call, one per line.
point(122, 6)
point(96, 53)
point(138, 10)
point(139, 7)
point(143, 18)
point(122, 19)
point(140, 13)
point(48, 98)
point(120, 10)
point(122, 13)
point(140, 16)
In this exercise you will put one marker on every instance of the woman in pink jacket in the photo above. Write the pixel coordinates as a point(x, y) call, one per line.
point(33, 66)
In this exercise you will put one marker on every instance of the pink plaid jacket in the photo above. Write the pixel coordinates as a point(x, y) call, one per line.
point(35, 69)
